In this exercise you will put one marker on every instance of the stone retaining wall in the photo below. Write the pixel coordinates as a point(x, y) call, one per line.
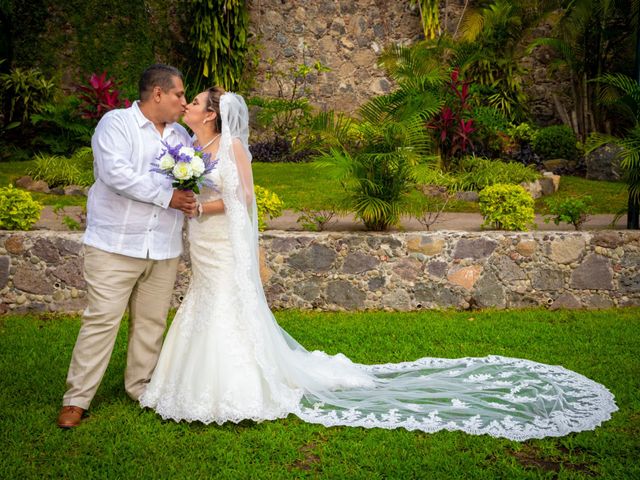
point(42, 271)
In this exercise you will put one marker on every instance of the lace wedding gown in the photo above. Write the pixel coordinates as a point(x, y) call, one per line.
point(226, 359)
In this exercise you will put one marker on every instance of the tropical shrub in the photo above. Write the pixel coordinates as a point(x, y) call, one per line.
point(557, 141)
point(506, 207)
point(575, 211)
point(24, 92)
point(18, 209)
point(59, 171)
point(268, 203)
point(476, 173)
point(99, 96)
point(60, 128)
point(315, 220)
point(278, 149)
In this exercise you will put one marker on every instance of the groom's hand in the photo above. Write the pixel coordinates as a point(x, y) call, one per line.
point(185, 201)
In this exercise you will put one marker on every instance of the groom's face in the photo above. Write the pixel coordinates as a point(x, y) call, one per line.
point(173, 101)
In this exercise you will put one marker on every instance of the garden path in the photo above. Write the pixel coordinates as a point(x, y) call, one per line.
point(447, 221)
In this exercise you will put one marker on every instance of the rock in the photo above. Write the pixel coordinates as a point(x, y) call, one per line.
point(283, 245)
point(437, 268)
point(376, 283)
point(628, 284)
point(475, 248)
point(397, 300)
point(438, 294)
point(315, 258)
point(24, 182)
point(359, 263)
point(5, 264)
point(597, 301)
point(74, 190)
point(468, 196)
point(607, 239)
point(308, 290)
point(548, 184)
point(71, 273)
point(408, 269)
point(559, 164)
point(45, 250)
point(344, 294)
point(567, 250)
point(465, 277)
point(427, 245)
point(594, 273)
point(31, 280)
point(526, 248)
point(604, 163)
point(66, 246)
point(75, 305)
point(547, 279)
point(38, 186)
point(14, 244)
point(519, 300)
point(534, 188)
point(508, 270)
point(566, 300)
point(489, 292)
point(265, 271)
point(380, 86)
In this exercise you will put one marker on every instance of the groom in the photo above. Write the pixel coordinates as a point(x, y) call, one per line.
point(132, 242)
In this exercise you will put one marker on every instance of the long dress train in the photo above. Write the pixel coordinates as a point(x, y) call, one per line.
point(226, 359)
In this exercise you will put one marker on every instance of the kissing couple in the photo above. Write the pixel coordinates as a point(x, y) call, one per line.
point(225, 358)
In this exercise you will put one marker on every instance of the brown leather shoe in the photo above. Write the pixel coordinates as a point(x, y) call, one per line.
point(70, 416)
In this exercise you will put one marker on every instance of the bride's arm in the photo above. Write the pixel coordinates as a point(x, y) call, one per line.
point(246, 180)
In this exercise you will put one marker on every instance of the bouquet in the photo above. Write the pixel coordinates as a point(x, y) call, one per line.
point(185, 166)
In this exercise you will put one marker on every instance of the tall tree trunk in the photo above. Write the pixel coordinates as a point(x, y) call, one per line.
point(633, 210)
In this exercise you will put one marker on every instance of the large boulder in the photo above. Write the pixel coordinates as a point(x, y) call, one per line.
point(604, 163)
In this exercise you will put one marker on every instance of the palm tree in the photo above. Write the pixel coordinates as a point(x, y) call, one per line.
point(624, 91)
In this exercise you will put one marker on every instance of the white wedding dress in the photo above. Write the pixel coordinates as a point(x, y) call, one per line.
point(226, 359)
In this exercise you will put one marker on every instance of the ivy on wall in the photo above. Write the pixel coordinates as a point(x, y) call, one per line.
point(75, 38)
point(219, 37)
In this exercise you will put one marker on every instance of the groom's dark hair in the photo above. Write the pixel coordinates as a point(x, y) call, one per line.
point(158, 75)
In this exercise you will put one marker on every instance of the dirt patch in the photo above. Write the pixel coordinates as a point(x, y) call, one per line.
point(531, 457)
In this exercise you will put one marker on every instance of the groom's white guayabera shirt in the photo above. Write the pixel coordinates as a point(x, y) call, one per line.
point(128, 206)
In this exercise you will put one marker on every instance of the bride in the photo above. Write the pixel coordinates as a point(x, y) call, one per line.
point(226, 359)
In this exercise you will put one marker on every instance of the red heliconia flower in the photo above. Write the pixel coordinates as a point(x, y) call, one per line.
point(100, 96)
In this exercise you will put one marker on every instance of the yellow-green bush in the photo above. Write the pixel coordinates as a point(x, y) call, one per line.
point(506, 207)
point(268, 204)
point(18, 210)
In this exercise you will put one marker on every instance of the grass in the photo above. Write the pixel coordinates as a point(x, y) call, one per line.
point(119, 440)
point(302, 185)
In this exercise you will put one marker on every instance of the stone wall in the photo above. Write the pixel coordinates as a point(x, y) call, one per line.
point(348, 36)
point(41, 271)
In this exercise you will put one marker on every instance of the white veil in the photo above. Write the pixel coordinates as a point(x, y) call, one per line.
point(499, 396)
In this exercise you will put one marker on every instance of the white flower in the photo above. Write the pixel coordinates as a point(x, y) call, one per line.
point(167, 162)
point(182, 171)
point(197, 164)
point(188, 151)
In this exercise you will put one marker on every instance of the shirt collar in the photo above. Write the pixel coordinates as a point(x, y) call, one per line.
point(142, 120)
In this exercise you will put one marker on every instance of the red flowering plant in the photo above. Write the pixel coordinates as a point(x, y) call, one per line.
point(99, 96)
point(453, 125)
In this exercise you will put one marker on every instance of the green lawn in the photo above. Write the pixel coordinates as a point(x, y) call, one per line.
point(302, 185)
point(119, 440)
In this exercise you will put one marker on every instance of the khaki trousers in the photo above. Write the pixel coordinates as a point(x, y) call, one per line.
point(114, 282)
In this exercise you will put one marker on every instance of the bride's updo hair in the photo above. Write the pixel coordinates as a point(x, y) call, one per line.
point(213, 104)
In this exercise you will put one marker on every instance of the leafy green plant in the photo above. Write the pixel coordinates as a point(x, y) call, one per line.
point(315, 220)
point(24, 92)
point(557, 141)
point(571, 210)
point(522, 132)
point(268, 203)
point(219, 36)
point(429, 208)
point(475, 173)
point(60, 171)
point(430, 17)
point(506, 207)
point(59, 126)
point(18, 209)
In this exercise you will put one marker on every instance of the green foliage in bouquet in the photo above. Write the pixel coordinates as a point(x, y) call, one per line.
point(575, 211)
point(18, 209)
point(506, 207)
point(268, 204)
